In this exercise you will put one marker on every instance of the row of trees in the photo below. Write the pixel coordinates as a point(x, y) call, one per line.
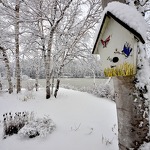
point(51, 32)
point(75, 69)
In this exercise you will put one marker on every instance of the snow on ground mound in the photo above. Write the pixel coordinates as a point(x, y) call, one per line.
point(84, 122)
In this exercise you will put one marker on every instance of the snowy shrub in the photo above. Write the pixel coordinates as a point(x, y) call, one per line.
point(13, 123)
point(103, 90)
point(30, 85)
point(106, 141)
point(25, 124)
point(27, 95)
point(68, 86)
point(25, 77)
point(38, 127)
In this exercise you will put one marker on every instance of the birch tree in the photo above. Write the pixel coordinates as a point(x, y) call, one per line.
point(132, 102)
point(55, 23)
point(11, 11)
point(6, 44)
point(71, 36)
point(60, 31)
point(56, 11)
point(18, 82)
point(7, 65)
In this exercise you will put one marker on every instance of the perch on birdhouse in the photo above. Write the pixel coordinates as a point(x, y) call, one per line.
point(117, 45)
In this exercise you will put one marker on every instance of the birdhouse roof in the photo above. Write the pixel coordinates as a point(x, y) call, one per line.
point(126, 16)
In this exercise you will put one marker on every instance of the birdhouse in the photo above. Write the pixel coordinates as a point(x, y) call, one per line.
point(117, 45)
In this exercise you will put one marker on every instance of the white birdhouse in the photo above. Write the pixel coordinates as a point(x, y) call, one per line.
point(117, 45)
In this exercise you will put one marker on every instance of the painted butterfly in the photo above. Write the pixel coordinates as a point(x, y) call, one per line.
point(104, 43)
point(127, 50)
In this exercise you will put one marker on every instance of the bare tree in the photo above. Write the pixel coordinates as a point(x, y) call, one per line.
point(56, 11)
point(11, 12)
point(71, 38)
point(55, 23)
point(59, 29)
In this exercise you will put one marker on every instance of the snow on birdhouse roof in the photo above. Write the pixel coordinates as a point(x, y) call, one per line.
point(128, 15)
point(125, 15)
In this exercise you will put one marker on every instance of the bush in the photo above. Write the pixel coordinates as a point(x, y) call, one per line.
point(13, 123)
point(103, 90)
point(39, 127)
point(27, 95)
point(25, 124)
point(25, 77)
point(30, 85)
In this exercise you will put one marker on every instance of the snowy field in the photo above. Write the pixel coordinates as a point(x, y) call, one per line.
point(83, 121)
point(73, 82)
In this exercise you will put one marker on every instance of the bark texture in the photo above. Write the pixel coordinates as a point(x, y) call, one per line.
point(57, 88)
point(48, 64)
point(18, 70)
point(37, 76)
point(58, 79)
point(5, 58)
point(52, 84)
point(132, 113)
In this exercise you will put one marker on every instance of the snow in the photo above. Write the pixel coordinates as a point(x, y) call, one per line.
point(128, 15)
point(145, 146)
point(83, 121)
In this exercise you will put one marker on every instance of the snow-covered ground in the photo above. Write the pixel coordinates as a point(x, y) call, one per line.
point(83, 121)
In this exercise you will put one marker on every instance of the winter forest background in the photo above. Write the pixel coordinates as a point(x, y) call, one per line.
point(48, 39)
point(45, 39)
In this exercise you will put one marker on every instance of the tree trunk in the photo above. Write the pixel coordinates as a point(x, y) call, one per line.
point(18, 86)
point(58, 79)
point(5, 58)
point(52, 84)
point(57, 88)
point(48, 65)
point(49, 62)
point(132, 110)
point(132, 113)
point(1, 86)
point(37, 78)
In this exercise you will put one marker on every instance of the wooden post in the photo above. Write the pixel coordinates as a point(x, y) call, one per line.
point(133, 125)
